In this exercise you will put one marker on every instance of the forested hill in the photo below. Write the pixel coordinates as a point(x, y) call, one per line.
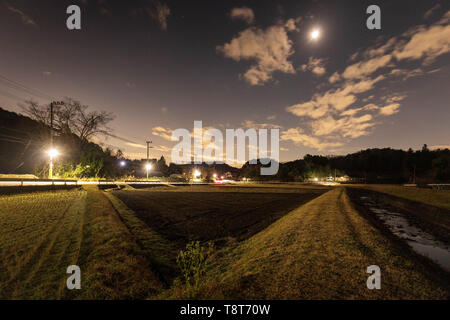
point(18, 143)
point(372, 165)
point(24, 143)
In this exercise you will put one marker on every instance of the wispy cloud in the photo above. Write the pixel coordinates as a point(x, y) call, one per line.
point(155, 10)
point(162, 132)
point(256, 126)
point(315, 65)
point(298, 136)
point(26, 19)
point(431, 11)
point(245, 14)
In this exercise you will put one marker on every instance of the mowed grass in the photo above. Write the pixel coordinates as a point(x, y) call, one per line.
point(41, 234)
point(437, 198)
point(40, 237)
point(319, 251)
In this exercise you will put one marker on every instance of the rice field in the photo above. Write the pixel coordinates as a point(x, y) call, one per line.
point(271, 241)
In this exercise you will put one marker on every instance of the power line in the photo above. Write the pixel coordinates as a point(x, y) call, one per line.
point(18, 86)
point(11, 96)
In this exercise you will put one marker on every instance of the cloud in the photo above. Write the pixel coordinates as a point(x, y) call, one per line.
point(291, 24)
point(136, 145)
point(164, 110)
point(162, 132)
point(330, 117)
point(338, 99)
point(47, 73)
point(394, 98)
point(297, 136)
point(253, 125)
point(390, 109)
point(427, 43)
point(430, 12)
point(315, 65)
point(159, 12)
point(407, 73)
point(245, 14)
point(24, 17)
point(268, 49)
point(349, 126)
point(417, 43)
point(334, 116)
point(335, 77)
point(439, 147)
point(155, 10)
point(271, 117)
point(354, 111)
point(364, 68)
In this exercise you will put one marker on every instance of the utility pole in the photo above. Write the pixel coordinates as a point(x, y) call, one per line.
point(52, 151)
point(148, 150)
point(414, 175)
point(51, 125)
point(147, 166)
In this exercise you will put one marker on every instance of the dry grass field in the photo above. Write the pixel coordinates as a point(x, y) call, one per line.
point(437, 198)
point(271, 241)
point(41, 234)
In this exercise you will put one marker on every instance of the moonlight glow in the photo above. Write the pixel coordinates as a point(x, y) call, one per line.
point(315, 34)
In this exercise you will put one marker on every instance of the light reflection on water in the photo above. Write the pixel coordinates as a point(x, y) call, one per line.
point(420, 241)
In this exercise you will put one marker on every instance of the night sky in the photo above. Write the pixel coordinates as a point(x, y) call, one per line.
point(160, 65)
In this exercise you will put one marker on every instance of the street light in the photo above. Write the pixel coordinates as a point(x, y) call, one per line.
point(52, 153)
point(197, 174)
point(148, 167)
point(123, 163)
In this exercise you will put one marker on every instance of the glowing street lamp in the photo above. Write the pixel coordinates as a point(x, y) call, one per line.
point(123, 163)
point(52, 153)
point(197, 174)
point(148, 167)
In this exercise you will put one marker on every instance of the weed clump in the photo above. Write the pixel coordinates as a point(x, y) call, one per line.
point(192, 263)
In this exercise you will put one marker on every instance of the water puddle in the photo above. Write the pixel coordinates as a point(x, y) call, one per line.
point(421, 242)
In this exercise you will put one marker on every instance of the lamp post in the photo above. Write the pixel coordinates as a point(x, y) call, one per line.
point(148, 167)
point(52, 154)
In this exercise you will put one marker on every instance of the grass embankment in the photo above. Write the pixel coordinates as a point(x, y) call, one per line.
point(41, 234)
point(437, 198)
point(320, 251)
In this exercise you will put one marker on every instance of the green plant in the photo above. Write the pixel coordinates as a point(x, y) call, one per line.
point(192, 263)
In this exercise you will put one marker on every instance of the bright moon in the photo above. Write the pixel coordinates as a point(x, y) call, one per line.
point(315, 34)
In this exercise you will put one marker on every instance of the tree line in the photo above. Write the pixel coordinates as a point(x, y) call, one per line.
point(372, 166)
point(23, 141)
